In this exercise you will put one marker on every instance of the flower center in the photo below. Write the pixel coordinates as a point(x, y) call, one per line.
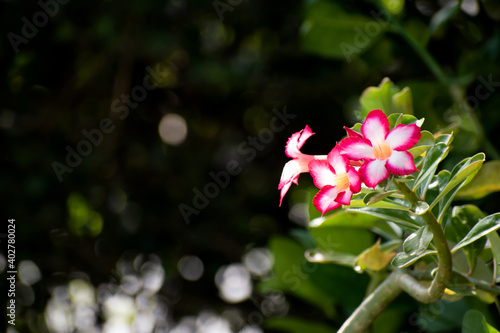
point(341, 182)
point(382, 150)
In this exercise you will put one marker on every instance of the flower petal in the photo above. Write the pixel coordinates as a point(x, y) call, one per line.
point(290, 174)
point(324, 200)
point(403, 137)
point(375, 127)
point(337, 161)
point(321, 173)
point(373, 172)
point(356, 149)
point(401, 163)
point(344, 198)
point(354, 181)
point(296, 141)
point(352, 133)
point(284, 188)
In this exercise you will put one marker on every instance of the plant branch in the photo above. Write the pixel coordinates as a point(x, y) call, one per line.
point(361, 319)
point(443, 274)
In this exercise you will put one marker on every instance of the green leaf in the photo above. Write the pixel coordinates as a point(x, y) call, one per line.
point(329, 31)
point(463, 219)
point(373, 258)
point(445, 138)
point(396, 119)
point(344, 218)
point(295, 325)
point(403, 101)
point(442, 16)
point(436, 186)
point(432, 158)
point(83, 220)
point(486, 225)
point(343, 239)
point(474, 322)
point(403, 259)
point(292, 275)
point(461, 285)
point(394, 6)
point(386, 97)
point(418, 241)
point(465, 170)
point(399, 217)
point(494, 240)
point(375, 196)
point(357, 200)
point(425, 143)
point(486, 181)
point(330, 256)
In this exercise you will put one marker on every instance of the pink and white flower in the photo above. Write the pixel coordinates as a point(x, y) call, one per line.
point(382, 150)
point(336, 179)
point(299, 163)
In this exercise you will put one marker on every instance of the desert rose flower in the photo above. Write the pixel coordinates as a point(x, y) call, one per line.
point(336, 179)
point(299, 162)
point(384, 152)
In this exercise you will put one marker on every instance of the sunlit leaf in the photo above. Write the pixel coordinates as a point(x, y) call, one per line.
point(426, 141)
point(399, 217)
point(388, 202)
point(403, 259)
point(403, 101)
point(418, 241)
point(486, 181)
point(394, 6)
point(463, 219)
point(437, 184)
point(374, 197)
point(373, 258)
point(445, 138)
point(486, 225)
point(494, 240)
point(396, 119)
point(465, 170)
point(388, 98)
point(432, 158)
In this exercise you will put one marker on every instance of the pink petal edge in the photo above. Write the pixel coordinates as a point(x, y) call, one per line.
point(401, 163)
point(337, 161)
point(324, 200)
point(403, 137)
point(356, 149)
point(296, 141)
point(373, 172)
point(375, 127)
point(321, 172)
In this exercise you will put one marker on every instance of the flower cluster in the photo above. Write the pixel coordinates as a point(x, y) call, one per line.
point(367, 157)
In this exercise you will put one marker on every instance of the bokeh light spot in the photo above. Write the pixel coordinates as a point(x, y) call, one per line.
point(258, 261)
point(172, 129)
point(29, 272)
point(234, 283)
point(190, 267)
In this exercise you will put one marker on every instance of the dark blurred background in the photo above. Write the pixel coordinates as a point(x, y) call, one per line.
point(118, 235)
